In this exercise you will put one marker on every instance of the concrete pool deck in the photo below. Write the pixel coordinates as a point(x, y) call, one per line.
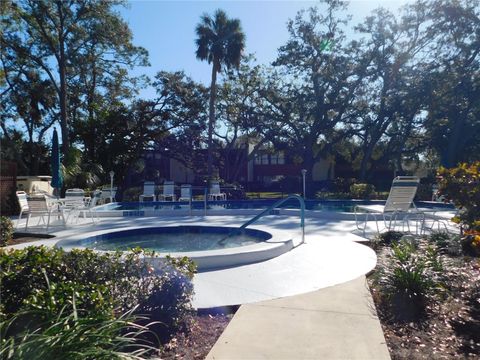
point(329, 256)
point(309, 303)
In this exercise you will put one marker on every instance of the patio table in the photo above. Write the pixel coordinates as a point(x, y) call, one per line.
point(71, 205)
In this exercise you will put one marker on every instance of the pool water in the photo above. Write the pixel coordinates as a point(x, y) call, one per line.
point(173, 239)
point(335, 206)
point(347, 206)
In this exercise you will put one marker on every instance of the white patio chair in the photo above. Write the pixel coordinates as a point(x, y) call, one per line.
point(215, 192)
point(399, 206)
point(23, 204)
point(74, 197)
point(89, 207)
point(148, 191)
point(185, 193)
point(168, 192)
point(39, 206)
point(108, 194)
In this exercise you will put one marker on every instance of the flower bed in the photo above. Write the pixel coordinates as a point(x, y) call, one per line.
point(427, 295)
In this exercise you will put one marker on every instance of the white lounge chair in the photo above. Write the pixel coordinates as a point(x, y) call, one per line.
point(23, 204)
point(148, 191)
point(215, 192)
point(185, 193)
point(39, 206)
point(168, 193)
point(399, 206)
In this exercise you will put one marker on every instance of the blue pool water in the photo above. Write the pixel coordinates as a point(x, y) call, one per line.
point(171, 239)
point(319, 205)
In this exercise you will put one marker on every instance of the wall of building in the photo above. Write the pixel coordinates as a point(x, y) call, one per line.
point(180, 173)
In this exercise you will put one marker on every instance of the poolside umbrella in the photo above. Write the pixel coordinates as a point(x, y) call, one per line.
point(56, 173)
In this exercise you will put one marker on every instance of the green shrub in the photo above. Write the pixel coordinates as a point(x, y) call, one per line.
point(289, 184)
point(132, 194)
point(449, 243)
point(329, 195)
point(343, 185)
point(424, 192)
point(403, 250)
point(74, 335)
point(440, 238)
point(389, 237)
point(6, 231)
point(39, 278)
point(408, 280)
point(471, 243)
point(362, 191)
point(462, 186)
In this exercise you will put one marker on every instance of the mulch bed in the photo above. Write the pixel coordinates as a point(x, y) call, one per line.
point(20, 238)
point(450, 328)
point(195, 343)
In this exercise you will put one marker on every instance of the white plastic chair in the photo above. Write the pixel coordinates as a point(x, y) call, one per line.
point(108, 194)
point(23, 204)
point(148, 191)
point(185, 193)
point(168, 192)
point(39, 206)
point(74, 197)
point(215, 192)
point(89, 207)
point(399, 206)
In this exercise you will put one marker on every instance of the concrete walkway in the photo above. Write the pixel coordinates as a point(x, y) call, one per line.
point(337, 322)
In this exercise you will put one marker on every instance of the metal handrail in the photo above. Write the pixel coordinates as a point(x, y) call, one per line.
point(277, 204)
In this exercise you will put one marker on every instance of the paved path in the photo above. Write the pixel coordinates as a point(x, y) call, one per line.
point(337, 322)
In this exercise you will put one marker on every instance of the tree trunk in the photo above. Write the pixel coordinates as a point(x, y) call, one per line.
point(308, 163)
point(455, 141)
point(30, 149)
point(92, 129)
point(62, 65)
point(365, 160)
point(211, 118)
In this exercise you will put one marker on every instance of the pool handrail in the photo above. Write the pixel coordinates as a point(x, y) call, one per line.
point(277, 204)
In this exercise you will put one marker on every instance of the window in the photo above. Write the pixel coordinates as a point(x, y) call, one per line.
point(265, 159)
point(261, 159)
point(277, 159)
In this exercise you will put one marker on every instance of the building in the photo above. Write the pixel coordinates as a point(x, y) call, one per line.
point(238, 164)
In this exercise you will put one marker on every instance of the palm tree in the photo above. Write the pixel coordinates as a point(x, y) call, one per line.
point(220, 41)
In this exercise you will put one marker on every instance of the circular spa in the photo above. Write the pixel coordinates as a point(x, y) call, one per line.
point(209, 246)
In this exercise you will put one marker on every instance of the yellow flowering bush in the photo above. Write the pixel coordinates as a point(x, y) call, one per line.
point(462, 186)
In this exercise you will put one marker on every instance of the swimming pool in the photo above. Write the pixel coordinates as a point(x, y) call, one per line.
point(128, 209)
point(208, 246)
point(174, 239)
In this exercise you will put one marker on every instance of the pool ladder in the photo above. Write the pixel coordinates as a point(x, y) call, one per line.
point(277, 204)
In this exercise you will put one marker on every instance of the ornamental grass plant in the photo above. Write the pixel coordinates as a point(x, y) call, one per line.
point(51, 294)
point(408, 280)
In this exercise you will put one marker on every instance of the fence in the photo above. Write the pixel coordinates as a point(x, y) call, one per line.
point(8, 185)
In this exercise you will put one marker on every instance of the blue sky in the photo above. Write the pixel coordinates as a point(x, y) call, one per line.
point(167, 29)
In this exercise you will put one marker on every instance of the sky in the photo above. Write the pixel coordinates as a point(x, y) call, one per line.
point(167, 29)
